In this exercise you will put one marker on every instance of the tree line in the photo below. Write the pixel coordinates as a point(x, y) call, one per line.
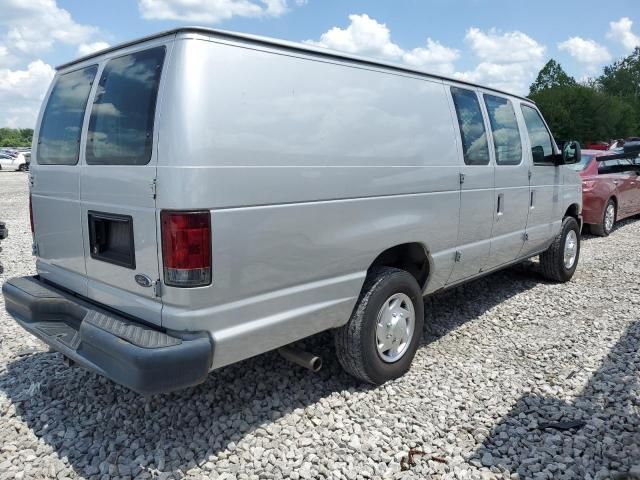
point(602, 108)
point(16, 137)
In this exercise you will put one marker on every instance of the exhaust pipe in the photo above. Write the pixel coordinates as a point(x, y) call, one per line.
point(302, 358)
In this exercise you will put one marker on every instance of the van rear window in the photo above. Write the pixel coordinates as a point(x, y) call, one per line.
point(121, 124)
point(59, 136)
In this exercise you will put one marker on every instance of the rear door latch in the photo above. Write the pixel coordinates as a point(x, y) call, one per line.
point(154, 187)
point(157, 289)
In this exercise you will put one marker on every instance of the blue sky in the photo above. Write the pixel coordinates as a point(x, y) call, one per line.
point(502, 43)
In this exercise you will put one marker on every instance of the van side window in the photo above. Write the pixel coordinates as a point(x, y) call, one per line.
point(59, 136)
point(474, 136)
point(539, 137)
point(121, 124)
point(504, 128)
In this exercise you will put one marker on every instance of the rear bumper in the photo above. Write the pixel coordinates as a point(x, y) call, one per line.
point(142, 358)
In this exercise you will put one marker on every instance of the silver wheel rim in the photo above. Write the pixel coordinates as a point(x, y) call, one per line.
point(395, 325)
point(570, 249)
point(609, 217)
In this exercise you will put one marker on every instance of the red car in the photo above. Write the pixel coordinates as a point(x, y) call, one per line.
point(610, 188)
point(597, 146)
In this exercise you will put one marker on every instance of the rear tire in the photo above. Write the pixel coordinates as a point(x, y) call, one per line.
point(560, 260)
point(604, 228)
point(22, 168)
point(389, 298)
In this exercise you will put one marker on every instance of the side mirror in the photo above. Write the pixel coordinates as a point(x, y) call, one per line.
point(538, 154)
point(571, 153)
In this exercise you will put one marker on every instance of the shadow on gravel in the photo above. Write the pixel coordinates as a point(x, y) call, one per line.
point(587, 235)
point(595, 436)
point(102, 428)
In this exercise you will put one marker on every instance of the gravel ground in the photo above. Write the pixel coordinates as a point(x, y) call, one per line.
point(505, 363)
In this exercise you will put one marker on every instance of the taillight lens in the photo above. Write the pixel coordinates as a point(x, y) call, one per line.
point(186, 248)
point(31, 214)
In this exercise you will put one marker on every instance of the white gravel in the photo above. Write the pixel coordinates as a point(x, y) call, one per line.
point(500, 357)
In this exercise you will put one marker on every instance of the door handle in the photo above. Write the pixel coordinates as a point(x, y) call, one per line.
point(500, 204)
point(532, 199)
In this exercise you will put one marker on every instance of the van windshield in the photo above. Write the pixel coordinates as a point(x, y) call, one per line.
point(121, 124)
point(59, 136)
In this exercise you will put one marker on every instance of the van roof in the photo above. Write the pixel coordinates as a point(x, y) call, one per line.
point(324, 52)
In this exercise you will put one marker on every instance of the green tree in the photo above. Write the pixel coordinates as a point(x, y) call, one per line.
point(551, 76)
point(582, 113)
point(15, 137)
point(622, 79)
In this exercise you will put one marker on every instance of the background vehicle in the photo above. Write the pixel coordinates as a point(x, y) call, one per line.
point(620, 144)
point(597, 146)
point(331, 195)
point(610, 188)
point(13, 161)
point(4, 232)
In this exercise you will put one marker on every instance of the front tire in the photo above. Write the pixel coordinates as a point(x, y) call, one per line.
point(604, 228)
point(380, 339)
point(560, 260)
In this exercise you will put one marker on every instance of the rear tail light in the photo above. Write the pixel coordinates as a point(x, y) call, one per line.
point(31, 214)
point(588, 184)
point(186, 248)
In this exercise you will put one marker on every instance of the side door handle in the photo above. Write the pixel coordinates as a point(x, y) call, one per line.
point(532, 199)
point(500, 205)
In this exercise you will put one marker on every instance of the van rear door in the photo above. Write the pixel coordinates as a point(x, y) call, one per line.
point(117, 185)
point(55, 194)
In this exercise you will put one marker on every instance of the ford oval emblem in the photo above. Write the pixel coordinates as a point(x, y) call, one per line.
point(143, 280)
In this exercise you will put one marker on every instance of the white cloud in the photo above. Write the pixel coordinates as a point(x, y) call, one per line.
point(27, 29)
point(507, 47)
point(21, 92)
point(434, 56)
point(212, 11)
point(89, 48)
point(586, 51)
point(509, 60)
point(34, 25)
point(5, 57)
point(366, 36)
point(620, 31)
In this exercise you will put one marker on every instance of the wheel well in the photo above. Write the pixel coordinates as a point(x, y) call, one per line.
point(573, 211)
point(411, 257)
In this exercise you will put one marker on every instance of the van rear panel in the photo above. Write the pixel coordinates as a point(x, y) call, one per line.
point(94, 199)
point(55, 175)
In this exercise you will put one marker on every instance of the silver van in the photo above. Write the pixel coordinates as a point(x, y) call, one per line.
point(199, 197)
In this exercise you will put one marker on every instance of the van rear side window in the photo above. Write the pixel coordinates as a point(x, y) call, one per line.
point(121, 124)
point(504, 126)
point(474, 136)
point(59, 136)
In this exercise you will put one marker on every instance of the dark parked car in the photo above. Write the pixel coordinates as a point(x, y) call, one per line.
point(610, 188)
point(4, 232)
